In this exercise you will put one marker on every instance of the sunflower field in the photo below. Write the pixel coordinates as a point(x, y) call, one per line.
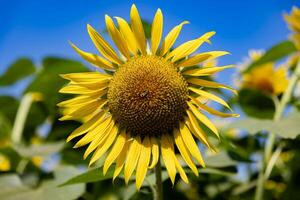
point(153, 103)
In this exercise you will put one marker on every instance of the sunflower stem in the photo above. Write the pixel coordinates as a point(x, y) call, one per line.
point(20, 119)
point(269, 145)
point(159, 187)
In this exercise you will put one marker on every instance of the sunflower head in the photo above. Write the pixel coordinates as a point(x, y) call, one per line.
point(293, 21)
point(265, 78)
point(151, 99)
point(148, 96)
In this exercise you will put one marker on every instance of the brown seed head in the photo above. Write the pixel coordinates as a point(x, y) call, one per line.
point(148, 96)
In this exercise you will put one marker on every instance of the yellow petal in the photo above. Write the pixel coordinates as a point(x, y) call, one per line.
point(117, 37)
point(180, 169)
point(280, 80)
point(210, 96)
point(192, 130)
point(210, 84)
point(155, 153)
point(137, 29)
point(206, 71)
point(115, 151)
point(94, 85)
point(87, 126)
point(177, 164)
point(94, 133)
point(166, 152)
point(189, 47)
point(121, 159)
point(213, 111)
point(96, 60)
point(104, 146)
point(75, 89)
point(184, 153)
point(203, 119)
point(195, 60)
point(85, 76)
point(171, 38)
point(190, 143)
point(199, 133)
point(132, 158)
point(97, 139)
point(143, 163)
point(75, 101)
point(156, 31)
point(103, 47)
point(128, 35)
point(84, 110)
point(79, 100)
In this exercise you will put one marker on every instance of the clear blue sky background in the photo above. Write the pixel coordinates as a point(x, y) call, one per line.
point(39, 28)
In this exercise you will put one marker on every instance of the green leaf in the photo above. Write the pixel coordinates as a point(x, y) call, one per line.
point(147, 28)
point(60, 130)
point(93, 175)
point(277, 52)
point(10, 184)
point(287, 127)
point(5, 128)
point(256, 104)
point(244, 187)
point(254, 125)
point(131, 190)
point(48, 190)
point(219, 160)
point(18, 70)
point(48, 82)
point(37, 115)
point(44, 149)
point(216, 171)
point(9, 107)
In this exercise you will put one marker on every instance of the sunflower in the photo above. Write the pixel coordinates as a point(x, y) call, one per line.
point(266, 77)
point(293, 21)
point(4, 163)
point(147, 100)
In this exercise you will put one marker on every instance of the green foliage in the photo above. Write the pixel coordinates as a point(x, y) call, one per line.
point(12, 187)
point(256, 104)
point(147, 28)
point(5, 127)
point(44, 149)
point(9, 107)
point(17, 71)
point(287, 128)
point(48, 82)
point(219, 160)
point(90, 176)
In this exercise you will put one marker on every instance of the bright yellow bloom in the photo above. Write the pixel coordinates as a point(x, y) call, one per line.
point(293, 20)
point(265, 77)
point(147, 103)
point(4, 163)
point(37, 160)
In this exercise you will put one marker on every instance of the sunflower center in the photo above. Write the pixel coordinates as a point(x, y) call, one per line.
point(147, 96)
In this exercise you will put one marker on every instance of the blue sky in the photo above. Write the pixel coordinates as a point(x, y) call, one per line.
point(39, 28)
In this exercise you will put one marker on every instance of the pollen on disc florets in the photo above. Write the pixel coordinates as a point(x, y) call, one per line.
point(148, 96)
